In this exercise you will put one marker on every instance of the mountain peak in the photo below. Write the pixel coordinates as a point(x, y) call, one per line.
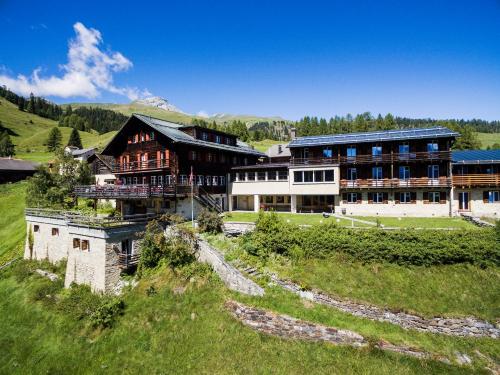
point(158, 102)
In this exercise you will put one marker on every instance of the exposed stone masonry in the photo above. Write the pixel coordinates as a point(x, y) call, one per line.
point(290, 328)
point(466, 327)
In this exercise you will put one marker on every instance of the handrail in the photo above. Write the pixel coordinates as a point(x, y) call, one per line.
point(477, 180)
point(368, 158)
point(141, 165)
point(396, 183)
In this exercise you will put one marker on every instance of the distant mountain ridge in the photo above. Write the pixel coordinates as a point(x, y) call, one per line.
point(158, 102)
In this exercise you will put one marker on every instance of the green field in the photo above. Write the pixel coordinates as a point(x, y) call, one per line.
point(488, 139)
point(265, 144)
point(29, 132)
point(12, 224)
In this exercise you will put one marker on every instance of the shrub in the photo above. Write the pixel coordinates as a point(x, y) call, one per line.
point(209, 221)
point(78, 301)
point(404, 247)
point(106, 313)
point(46, 291)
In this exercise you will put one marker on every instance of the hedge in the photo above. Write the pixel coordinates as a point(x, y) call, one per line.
point(404, 247)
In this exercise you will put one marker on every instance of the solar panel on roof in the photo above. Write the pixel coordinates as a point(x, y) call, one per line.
point(387, 135)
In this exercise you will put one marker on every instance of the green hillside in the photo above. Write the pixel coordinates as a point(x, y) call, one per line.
point(488, 139)
point(12, 224)
point(29, 132)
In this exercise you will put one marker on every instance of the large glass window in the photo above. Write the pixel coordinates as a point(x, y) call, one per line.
point(434, 196)
point(297, 176)
point(433, 171)
point(261, 176)
point(377, 150)
point(432, 146)
point(404, 148)
point(271, 175)
point(283, 175)
point(199, 180)
point(352, 197)
point(404, 172)
point(208, 180)
point(318, 176)
point(241, 176)
point(329, 175)
point(405, 197)
point(351, 152)
point(378, 197)
point(308, 176)
point(251, 176)
point(352, 174)
point(493, 196)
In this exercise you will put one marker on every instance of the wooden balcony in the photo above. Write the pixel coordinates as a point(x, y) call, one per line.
point(128, 260)
point(394, 183)
point(138, 191)
point(471, 180)
point(369, 159)
point(140, 166)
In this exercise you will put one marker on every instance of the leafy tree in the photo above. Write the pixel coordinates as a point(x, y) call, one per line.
point(54, 140)
point(209, 221)
point(7, 148)
point(74, 139)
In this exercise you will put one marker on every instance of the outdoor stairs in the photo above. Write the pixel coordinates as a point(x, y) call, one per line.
point(206, 200)
point(476, 221)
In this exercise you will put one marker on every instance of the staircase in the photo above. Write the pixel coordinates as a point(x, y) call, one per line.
point(476, 221)
point(202, 196)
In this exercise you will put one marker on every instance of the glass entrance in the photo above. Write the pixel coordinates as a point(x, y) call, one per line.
point(463, 201)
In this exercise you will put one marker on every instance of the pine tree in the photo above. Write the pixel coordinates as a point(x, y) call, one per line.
point(74, 139)
point(31, 104)
point(54, 139)
point(21, 103)
point(6, 146)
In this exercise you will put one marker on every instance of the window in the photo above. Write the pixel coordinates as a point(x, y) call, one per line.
point(222, 181)
point(241, 176)
point(297, 176)
point(217, 139)
point(129, 139)
point(129, 180)
point(351, 152)
point(85, 245)
point(493, 196)
point(134, 180)
point(434, 196)
point(208, 157)
point(192, 155)
point(235, 160)
point(305, 153)
point(377, 150)
point(327, 152)
point(215, 180)
point(378, 197)
point(283, 175)
point(329, 175)
point(152, 136)
point(251, 176)
point(153, 180)
point(261, 176)
point(245, 161)
point(183, 180)
point(308, 176)
point(404, 172)
point(199, 180)
point(377, 173)
point(223, 158)
point(76, 243)
point(432, 146)
point(404, 148)
point(208, 180)
point(433, 171)
point(280, 199)
point(142, 137)
point(271, 175)
point(405, 197)
point(228, 141)
point(36, 228)
point(204, 136)
point(160, 180)
point(55, 231)
point(269, 199)
point(352, 197)
point(318, 176)
point(352, 174)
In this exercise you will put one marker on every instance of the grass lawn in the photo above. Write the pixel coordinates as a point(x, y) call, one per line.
point(421, 222)
point(12, 224)
point(192, 333)
point(488, 139)
point(265, 144)
point(301, 219)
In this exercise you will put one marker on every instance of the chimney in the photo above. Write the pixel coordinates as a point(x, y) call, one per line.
point(280, 149)
point(293, 133)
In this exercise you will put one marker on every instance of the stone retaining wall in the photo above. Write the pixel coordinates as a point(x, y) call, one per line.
point(466, 327)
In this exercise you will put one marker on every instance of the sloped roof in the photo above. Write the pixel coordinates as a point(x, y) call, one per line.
point(377, 136)
point(476, 157)
point(171, 130)
point(82, 151)
point(7, 164)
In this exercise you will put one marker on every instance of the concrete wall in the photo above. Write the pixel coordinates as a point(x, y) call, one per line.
point(418, 209)
point(46, 245)
point(260, 187)
point(314, 188)
point(476, 205)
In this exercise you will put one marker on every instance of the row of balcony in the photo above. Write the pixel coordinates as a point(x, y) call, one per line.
point(469, 180)
point(381, 158)
point(135, 166)
point(133, 191)
point(396, 183)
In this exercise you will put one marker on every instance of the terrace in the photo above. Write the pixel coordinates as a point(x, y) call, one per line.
point(135, 191)
point(135, 166)
point(396, 182)
point(472, 180)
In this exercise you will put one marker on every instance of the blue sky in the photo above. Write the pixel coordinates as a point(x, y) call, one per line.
point(411, 58)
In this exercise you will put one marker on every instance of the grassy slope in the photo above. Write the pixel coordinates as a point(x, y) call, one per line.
point(12, 224)
point(487, 139)
point(265, 144)
point(192, 333)
point(31, 131)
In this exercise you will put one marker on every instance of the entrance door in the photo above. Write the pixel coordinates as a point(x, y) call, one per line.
point(463, 201)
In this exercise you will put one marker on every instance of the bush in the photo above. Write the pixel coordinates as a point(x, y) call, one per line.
point(106, 313)
point(209, 221)
point(46, 291)
point(78, 301)
point(404, 247)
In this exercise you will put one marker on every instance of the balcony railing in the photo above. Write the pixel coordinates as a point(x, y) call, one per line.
point(128, 260)
point(138, 191)
point(477, 180)
point(395, 183)
point(135, 166)
point(382, 158)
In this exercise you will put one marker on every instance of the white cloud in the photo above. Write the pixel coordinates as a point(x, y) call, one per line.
point(88, 72)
